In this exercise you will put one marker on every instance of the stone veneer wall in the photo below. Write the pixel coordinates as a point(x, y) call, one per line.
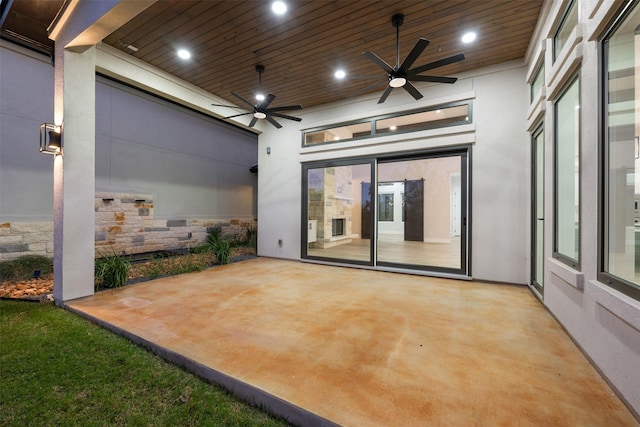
point(22, 238)
point(124, 224)
point(333, 199)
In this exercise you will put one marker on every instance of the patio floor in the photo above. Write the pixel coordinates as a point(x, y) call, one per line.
point(323, 345)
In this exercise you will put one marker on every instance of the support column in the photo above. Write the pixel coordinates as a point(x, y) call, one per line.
point(74, 217)
point(76, 31)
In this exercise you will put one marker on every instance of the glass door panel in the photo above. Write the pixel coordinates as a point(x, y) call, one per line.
point(339, 209)
point(421, 213)
point(537, 251)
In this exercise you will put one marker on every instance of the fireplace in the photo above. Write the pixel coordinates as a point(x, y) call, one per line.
point(337, 227)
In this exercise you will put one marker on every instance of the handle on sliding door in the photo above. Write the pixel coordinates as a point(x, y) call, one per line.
point(636, 147)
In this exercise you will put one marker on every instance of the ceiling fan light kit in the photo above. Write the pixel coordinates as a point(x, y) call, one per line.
point(402, 75)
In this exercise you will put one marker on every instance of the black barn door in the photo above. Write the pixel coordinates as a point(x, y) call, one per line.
point(414, 210)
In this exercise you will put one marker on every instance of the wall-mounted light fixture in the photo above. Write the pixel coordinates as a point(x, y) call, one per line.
point(50, 139)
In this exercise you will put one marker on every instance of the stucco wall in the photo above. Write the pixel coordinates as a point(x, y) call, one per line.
point(195, 168)
point(604, 322)
point(499, 175)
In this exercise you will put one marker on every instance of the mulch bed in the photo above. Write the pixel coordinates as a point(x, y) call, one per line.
point(41, 289)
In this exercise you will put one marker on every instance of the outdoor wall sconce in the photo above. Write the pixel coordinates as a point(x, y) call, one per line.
point(50, 139)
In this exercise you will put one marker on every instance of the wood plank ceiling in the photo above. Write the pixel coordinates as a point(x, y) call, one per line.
point(302, 49)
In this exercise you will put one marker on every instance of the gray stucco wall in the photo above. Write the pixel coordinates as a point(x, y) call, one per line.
point(193, 165)
point(26, 101)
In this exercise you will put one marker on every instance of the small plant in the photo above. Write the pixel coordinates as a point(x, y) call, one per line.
point(214, 235)
point(111, 271)
point(201, 249)
point(252, 236)
point(222, 251)
point(24, 267)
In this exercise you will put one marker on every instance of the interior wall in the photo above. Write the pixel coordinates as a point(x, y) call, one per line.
point(437, 190)
point(26, 94)
point(499, 182)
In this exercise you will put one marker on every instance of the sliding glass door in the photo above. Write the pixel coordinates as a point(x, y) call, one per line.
point(338, 212)
point(401, 212)
point(421, 212)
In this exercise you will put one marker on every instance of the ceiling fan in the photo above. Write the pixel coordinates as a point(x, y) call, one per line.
point(402, 74)
point(261, 110)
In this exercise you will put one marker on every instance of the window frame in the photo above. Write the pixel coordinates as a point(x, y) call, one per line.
point(563, 21)
point(619, 284)
point(538, 73)
point(374, 119)
point(573, 263)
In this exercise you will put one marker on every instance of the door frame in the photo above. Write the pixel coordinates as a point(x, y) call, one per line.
point(464, 151)
point(537, 288)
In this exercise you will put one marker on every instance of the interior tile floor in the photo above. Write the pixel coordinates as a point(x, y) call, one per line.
point(324, 345)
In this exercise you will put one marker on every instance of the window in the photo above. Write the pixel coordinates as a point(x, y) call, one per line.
point(385, 207)
point(409, 121)
point(537, 83)
point(567, 176)
point(569, 21)
point(620, 219)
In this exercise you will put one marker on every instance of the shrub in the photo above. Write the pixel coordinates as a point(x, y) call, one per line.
point(222, 251)
point(252, 236)
point(24, 267)
point(214, 235)
point(111, 271)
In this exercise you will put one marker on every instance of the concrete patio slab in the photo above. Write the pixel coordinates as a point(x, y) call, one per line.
point(323, 345)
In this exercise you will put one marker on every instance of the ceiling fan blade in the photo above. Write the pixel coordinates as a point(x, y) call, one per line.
point(375, 58)
point(412, 90)
point(242, 99)
point(434, 79)
point(268, 100)
point(237, 115)
point(285, 108)
point(284, 116)
point(273, 122)
point(224, 105)
point(419, 47)
point(253, 122)
point(436, 64)
point(385, 94)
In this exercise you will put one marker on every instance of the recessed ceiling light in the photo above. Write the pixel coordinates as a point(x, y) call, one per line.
point(279, 7)
point(340, 74)
point(469, 37)
point(260, 97)
point(392, 127)
point(184, 54)
point(336, 138)
point(438, 111)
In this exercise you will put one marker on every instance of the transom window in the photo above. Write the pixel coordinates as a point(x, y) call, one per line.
point(408, 121)
point(568, 23)
point(537, 83)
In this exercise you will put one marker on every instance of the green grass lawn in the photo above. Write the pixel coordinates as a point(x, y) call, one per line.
point(59, 369)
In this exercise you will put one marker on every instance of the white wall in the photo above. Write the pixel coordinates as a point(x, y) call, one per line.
point(499, 168)
point(604, 322)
